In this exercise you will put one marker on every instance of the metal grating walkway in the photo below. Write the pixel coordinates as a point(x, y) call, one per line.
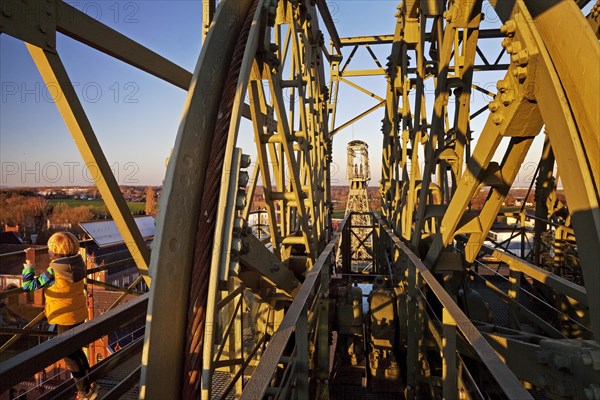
point(117, 375)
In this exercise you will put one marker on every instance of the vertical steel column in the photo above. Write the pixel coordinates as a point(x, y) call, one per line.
point(346, 255)
point(412, 344)
point(514, 277)
point(323, 333)
point(208, 12)
point(302, 371)
point(544, 187)
point(236, 338)
point(449, 368)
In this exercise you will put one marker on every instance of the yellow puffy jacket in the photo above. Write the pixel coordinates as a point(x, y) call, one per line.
point(66, 303)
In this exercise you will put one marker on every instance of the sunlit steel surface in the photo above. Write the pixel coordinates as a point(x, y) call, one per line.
point(212, 281)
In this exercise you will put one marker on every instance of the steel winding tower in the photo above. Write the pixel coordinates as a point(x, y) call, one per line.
point(358, 173)
point(224, 298)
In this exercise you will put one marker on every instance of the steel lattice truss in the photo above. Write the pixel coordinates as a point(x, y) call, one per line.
point(224, 297)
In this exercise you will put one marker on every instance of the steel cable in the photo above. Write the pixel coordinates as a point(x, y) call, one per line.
point(533, 296)
point(206, 224)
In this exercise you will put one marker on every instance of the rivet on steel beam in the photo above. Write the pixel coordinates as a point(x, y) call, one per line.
point(244, 178)
point(502, 85)
point(240, 200)
point(520, 73)
point(50, 44)
point(43, 28)
point(509, 27)
point(514, 47)
point(498, 118)
point(49, 10)
point(238, 225)
point(494, 106)
point(507, 98)
point(246, 161)
point(522, 57)
point(236, 246)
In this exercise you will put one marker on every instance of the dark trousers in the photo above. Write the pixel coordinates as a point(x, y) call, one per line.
point(77, 364)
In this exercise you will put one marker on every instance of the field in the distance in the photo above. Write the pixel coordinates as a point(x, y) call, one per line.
point(98, 204)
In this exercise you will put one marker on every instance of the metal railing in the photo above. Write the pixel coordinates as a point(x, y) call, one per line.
point(32, 361)
point(298, 323)
point(454, 323)
point(20, 257)
point(269, 379)
point(521, 272)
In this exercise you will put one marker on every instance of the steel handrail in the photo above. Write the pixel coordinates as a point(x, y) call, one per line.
point(261, 378)
point(539, 274)
point(28, 363)
point(506, 379)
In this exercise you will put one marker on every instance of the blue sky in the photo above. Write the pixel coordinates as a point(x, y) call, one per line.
point(135, 116)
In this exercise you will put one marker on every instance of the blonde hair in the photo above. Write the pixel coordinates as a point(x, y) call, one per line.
point(63, 244)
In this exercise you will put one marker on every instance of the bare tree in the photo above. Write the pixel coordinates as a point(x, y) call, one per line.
point(27, 211)
point(63, 214)
point(150, 201)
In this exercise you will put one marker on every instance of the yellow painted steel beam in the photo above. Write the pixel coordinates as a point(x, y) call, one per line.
point(309, 124)
point(505, 378)
point(85, 29)
point(291, 160)
point(364, 72)
point(539, 274)
point(358, 117)
point(388, 39)
point(81, 27)
point(573, 141)
point(594, 19)
point(472, 15)
point(361, 40)
point(362, 89)
point(257, 101)
point(208, 11)
point(329, 24)
point(513, 159)
point(555, 20)
point(53, 72)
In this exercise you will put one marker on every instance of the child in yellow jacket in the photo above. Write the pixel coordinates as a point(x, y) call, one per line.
point(66, 304)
